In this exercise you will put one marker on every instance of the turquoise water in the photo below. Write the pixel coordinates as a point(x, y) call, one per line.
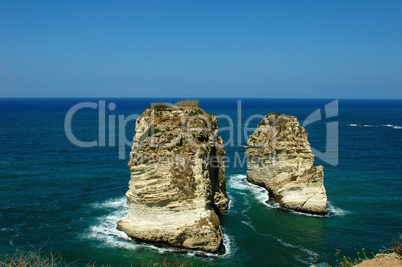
point(68, 199)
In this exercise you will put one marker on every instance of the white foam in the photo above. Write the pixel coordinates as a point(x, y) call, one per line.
point(379, 125)
point(392, 126)
point(305, 214)
point(283, 243)
point(239, 182)
point(7, 229)
point(336, 211)
point(230, 246)
point(360, 125)
point(111, 203)
point(249, 225)
point(104, 231)
point(332, 211)
point(231, 201)
point(307, 263)
point(272, 204)
point(300, 248)
point(307, 251)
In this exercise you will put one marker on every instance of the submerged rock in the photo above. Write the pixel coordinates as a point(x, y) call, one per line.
point(279, 158)
point(177, 186)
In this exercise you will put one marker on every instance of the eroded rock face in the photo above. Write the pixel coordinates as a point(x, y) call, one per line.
point(279, 158)
point(177, 186)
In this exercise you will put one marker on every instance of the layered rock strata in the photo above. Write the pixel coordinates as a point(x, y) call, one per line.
point(177, 186)
point(279, 158)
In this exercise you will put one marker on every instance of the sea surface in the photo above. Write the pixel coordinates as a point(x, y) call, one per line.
point(67, 199)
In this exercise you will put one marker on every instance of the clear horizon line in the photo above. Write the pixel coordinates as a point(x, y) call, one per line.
point(187, 97)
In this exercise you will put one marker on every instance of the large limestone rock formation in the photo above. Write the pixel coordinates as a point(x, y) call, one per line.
point(279, 158)
point(177, 186)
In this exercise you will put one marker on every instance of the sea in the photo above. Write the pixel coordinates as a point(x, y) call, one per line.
point(64, 174)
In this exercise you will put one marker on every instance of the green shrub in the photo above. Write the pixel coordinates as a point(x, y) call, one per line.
point(348, 261)
point(396, 246)
point(158, 106)
point(188, 103)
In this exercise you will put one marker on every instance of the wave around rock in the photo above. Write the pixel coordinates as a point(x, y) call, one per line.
point(279, 158)
point(177, 186)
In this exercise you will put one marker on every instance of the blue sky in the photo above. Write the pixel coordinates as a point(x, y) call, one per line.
point(298, 49)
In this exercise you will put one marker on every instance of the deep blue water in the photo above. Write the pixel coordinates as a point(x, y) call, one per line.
point(68, 199)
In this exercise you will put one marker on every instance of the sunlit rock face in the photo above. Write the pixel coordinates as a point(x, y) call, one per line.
point(279, 158)
point(177, 185)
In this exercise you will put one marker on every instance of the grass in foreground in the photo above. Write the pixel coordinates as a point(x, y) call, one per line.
point(38, 258)
point(166, 263)
point(33, 257)
point(396, 246)
point(348, 262)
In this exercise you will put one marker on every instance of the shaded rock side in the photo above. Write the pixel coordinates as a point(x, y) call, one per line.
point(177, 187)
point(279, 158)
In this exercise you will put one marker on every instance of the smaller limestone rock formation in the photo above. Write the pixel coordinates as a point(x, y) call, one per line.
point(177, 187)
point(279, 158)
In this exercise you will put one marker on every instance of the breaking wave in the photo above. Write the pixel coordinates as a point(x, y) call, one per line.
point(103, 229)
point(376, 125)
point(336, 211)
point(392, 126)
point(359, 125)
point(239, 182)
point(105, 233)
point(111, 203)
